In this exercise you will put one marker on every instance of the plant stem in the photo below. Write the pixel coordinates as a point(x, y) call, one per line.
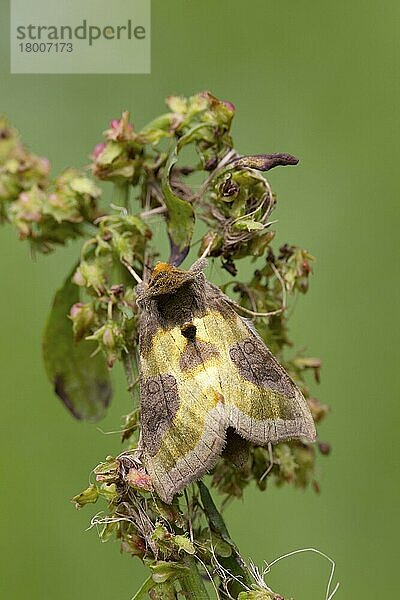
point(191, 582)
point(146, 587)
point(234, 563)
point(121, 194)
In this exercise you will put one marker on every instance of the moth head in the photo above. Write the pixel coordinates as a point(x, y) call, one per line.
point(166, 279)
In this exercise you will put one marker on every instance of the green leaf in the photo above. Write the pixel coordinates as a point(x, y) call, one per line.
point(108, 491)
point(157, 129)
point(221, 548)
point(126, 311)
point(84, 185)
point(163, 571)
point(249, 225)
point(234, 563)
point(108, 531)
point(137, 223)
point(184, 544)
point(217, 523)
point(110, 153)
point(81, 381)
point(146, 587)
point(88, 496)
point(180, 217)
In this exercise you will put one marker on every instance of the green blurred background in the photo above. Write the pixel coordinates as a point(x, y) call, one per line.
point(319, 80)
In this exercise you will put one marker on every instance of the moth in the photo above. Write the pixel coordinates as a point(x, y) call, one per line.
point(204, 371)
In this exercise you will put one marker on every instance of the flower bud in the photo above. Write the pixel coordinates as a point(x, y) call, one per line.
point(88, 496)
point(90, 274)
point(120, 129)
point(110, 339)
point(318, 410)
point(140, 480)
point(27, 210)
point(324, 448)
point(97, 150)
point(78, 278)
point(83, 317)
point(177, 104)
point(229, 106)
point(108, 336)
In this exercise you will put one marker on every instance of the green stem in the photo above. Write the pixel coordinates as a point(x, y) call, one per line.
point(234, 563)
point(148, 585)
point(121, 194)
point(191, 581)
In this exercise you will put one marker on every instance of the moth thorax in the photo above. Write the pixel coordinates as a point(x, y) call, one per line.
point(188, 331)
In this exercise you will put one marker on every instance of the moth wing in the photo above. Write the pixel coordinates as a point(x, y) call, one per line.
point(192, 392)
point(182, 416)
point(262, 403)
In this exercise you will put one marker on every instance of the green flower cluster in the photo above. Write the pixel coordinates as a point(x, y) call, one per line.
point(109, 320)
point(44, 211)
point(19, 169)
point(110, 317)
point(127, 155)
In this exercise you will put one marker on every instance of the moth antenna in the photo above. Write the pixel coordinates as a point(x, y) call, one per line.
point(208, 248)
point(146, 271)
point(253, 313)
point(278, 311)
point(132, 271)
point(111, 432)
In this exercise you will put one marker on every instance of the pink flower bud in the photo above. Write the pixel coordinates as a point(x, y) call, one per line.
point(97, 150)
point(139, 479)
point(24, 198)
point(229, 105)
point(75, 309)
point(116, 123)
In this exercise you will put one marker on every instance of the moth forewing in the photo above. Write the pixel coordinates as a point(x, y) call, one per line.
point(204, 369)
